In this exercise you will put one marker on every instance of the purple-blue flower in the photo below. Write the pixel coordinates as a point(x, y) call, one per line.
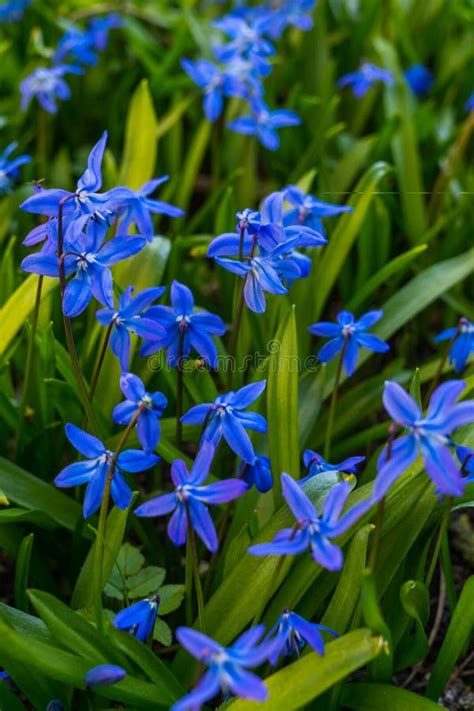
point(466, 457)
point(428, 435)
point(258, 474)
point(13, 11)
point(247, 41)
point(228, 417)
point(290, 634)
point(76, 44)
point(47, 85)
point(97, 466)
point(150, 405)
point(469, 105)
point(191, 498)
point(9, 169)
point(214, 83)
point(137, 207)
point(227, 666)
point(131, 316)
point(308, 211)
point(104, 675)
point(316, 464)
point(185, 328)
point(99, 28)
point(312, 530)
point(264, 123)
point(420, 79)
point(139, 618)
point(290, 13)
point(364, 78)
point(348, 335)
point(462, 337)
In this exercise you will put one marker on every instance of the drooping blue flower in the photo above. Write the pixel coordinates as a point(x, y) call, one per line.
point(131, 316)
point(191, 498)
point(420, 79)
point(317, 465)
point(150, 405)
point(462, 337)
point(99, 28)
point(76, 44)
point(469, 105)
point(290, 13)
point(428, 434)
point(364, 78)
point(215, 84)
point(47, 85)
point(308, 210)
point(264, 123)
point(290, 634)
point(185, 328)
point(349, 334)
point(89, 259)
point(13, 11)
point(137, 208)
point(466, 457)
point(9, 169)
point(312, 530)
point(97, 466)
point(227, 666)
point(139, 618)
point(258, 474)
point(104, 675)
point(228, 417)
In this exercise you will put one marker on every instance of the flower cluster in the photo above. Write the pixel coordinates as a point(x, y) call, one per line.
point(242, 63)
point(76, 48)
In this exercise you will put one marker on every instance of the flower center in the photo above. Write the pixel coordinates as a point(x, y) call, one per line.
point(146, 402)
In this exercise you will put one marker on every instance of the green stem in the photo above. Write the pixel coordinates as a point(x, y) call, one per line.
point(28, 368)
point(189, 585)
point(439, 539)
point(179, 389)
point(332, 407)
point(380, 509)
point(102, 528)
point(100, 361)
point(195, 566)
point(235, 336)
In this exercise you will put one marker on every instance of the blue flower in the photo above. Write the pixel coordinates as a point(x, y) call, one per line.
point(348, 334)
point(290, 13)
point(317, 465)
point(139, 618)
point(247, 41)
point(227, 417)
point(420, 79)
point(466, 457)
point(98, 465)
point(308, 210)
point(263, 123)
point(151, 406)
point(364, 78)
point(137, 207)
point(99, 28)
point(258, 473)
point(469, 105)
point(13, 11)
point(47, 85)
point(426, 434)
point(90, 260)
point(191, 497)
point(184, 328)
point(55, 705)
point(104, 675)
point(292, 632)
point(9, 169)
point(214, 83)
point(462, 337)
point(131, 315)
point(312, 530)
point(78, 45)
point(227, 670)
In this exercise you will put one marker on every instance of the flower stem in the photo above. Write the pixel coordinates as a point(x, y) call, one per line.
point(380, 509)
point(191, 541)
point(439, 539)
point(235, 336)
point(86, 403)
point(102, 528)
point(332, 407)
point(179, 389)
point(100, 361)
point(28, 368)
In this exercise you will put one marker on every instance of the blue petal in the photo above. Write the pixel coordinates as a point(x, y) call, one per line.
point(181, 298)
point(331, 349)
point(403, 454)
point(119, 248)
point(202, 523)
point(120, 346)
point(297, 500)
point(148, 430)
point(76, 474)
point(43, 263)
point(178, 525)
point(350, 355)
point(77, 294)
point(158, 506)
point(220, 492)
point(237, 438)
point(86, 444)
point(135, 461)
point(399, 405)
point(326, 553)
point(247, 395)
point(132, 387)
point(373, 343)
point(91, 179)
point(95, 490)
point(121, 492)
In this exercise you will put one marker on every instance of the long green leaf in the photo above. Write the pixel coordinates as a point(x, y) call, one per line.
point(374, 697)
point(22, 571)
point(139, 155)
point(16, 310)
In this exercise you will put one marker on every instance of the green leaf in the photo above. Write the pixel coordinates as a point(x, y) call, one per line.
point(129, 560)
point(162, 632)
point(415, 600)
point(145, 582)
point(282, 401)
point(139, 155)
point(306, 679)
point(373, 697)
point(382, 667)
point(193, 162)
point(22, 572)
point(459, 633)
point(8, 700)
point(171, 597)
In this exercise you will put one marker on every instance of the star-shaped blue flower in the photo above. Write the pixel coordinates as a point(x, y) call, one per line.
point(349, 334)
point(191, 498)
point(214, 83)
point(264, 123)
point(139, 618)
point(428, 434)
point(228, 417)
point(312, 530)
point(462, 346)
point(292, 632)
point(150, 405)
point(95, 469)
point(364, 78)
point(317, 465)
point(308, 211)
point(47, 85)
point(137, 207)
